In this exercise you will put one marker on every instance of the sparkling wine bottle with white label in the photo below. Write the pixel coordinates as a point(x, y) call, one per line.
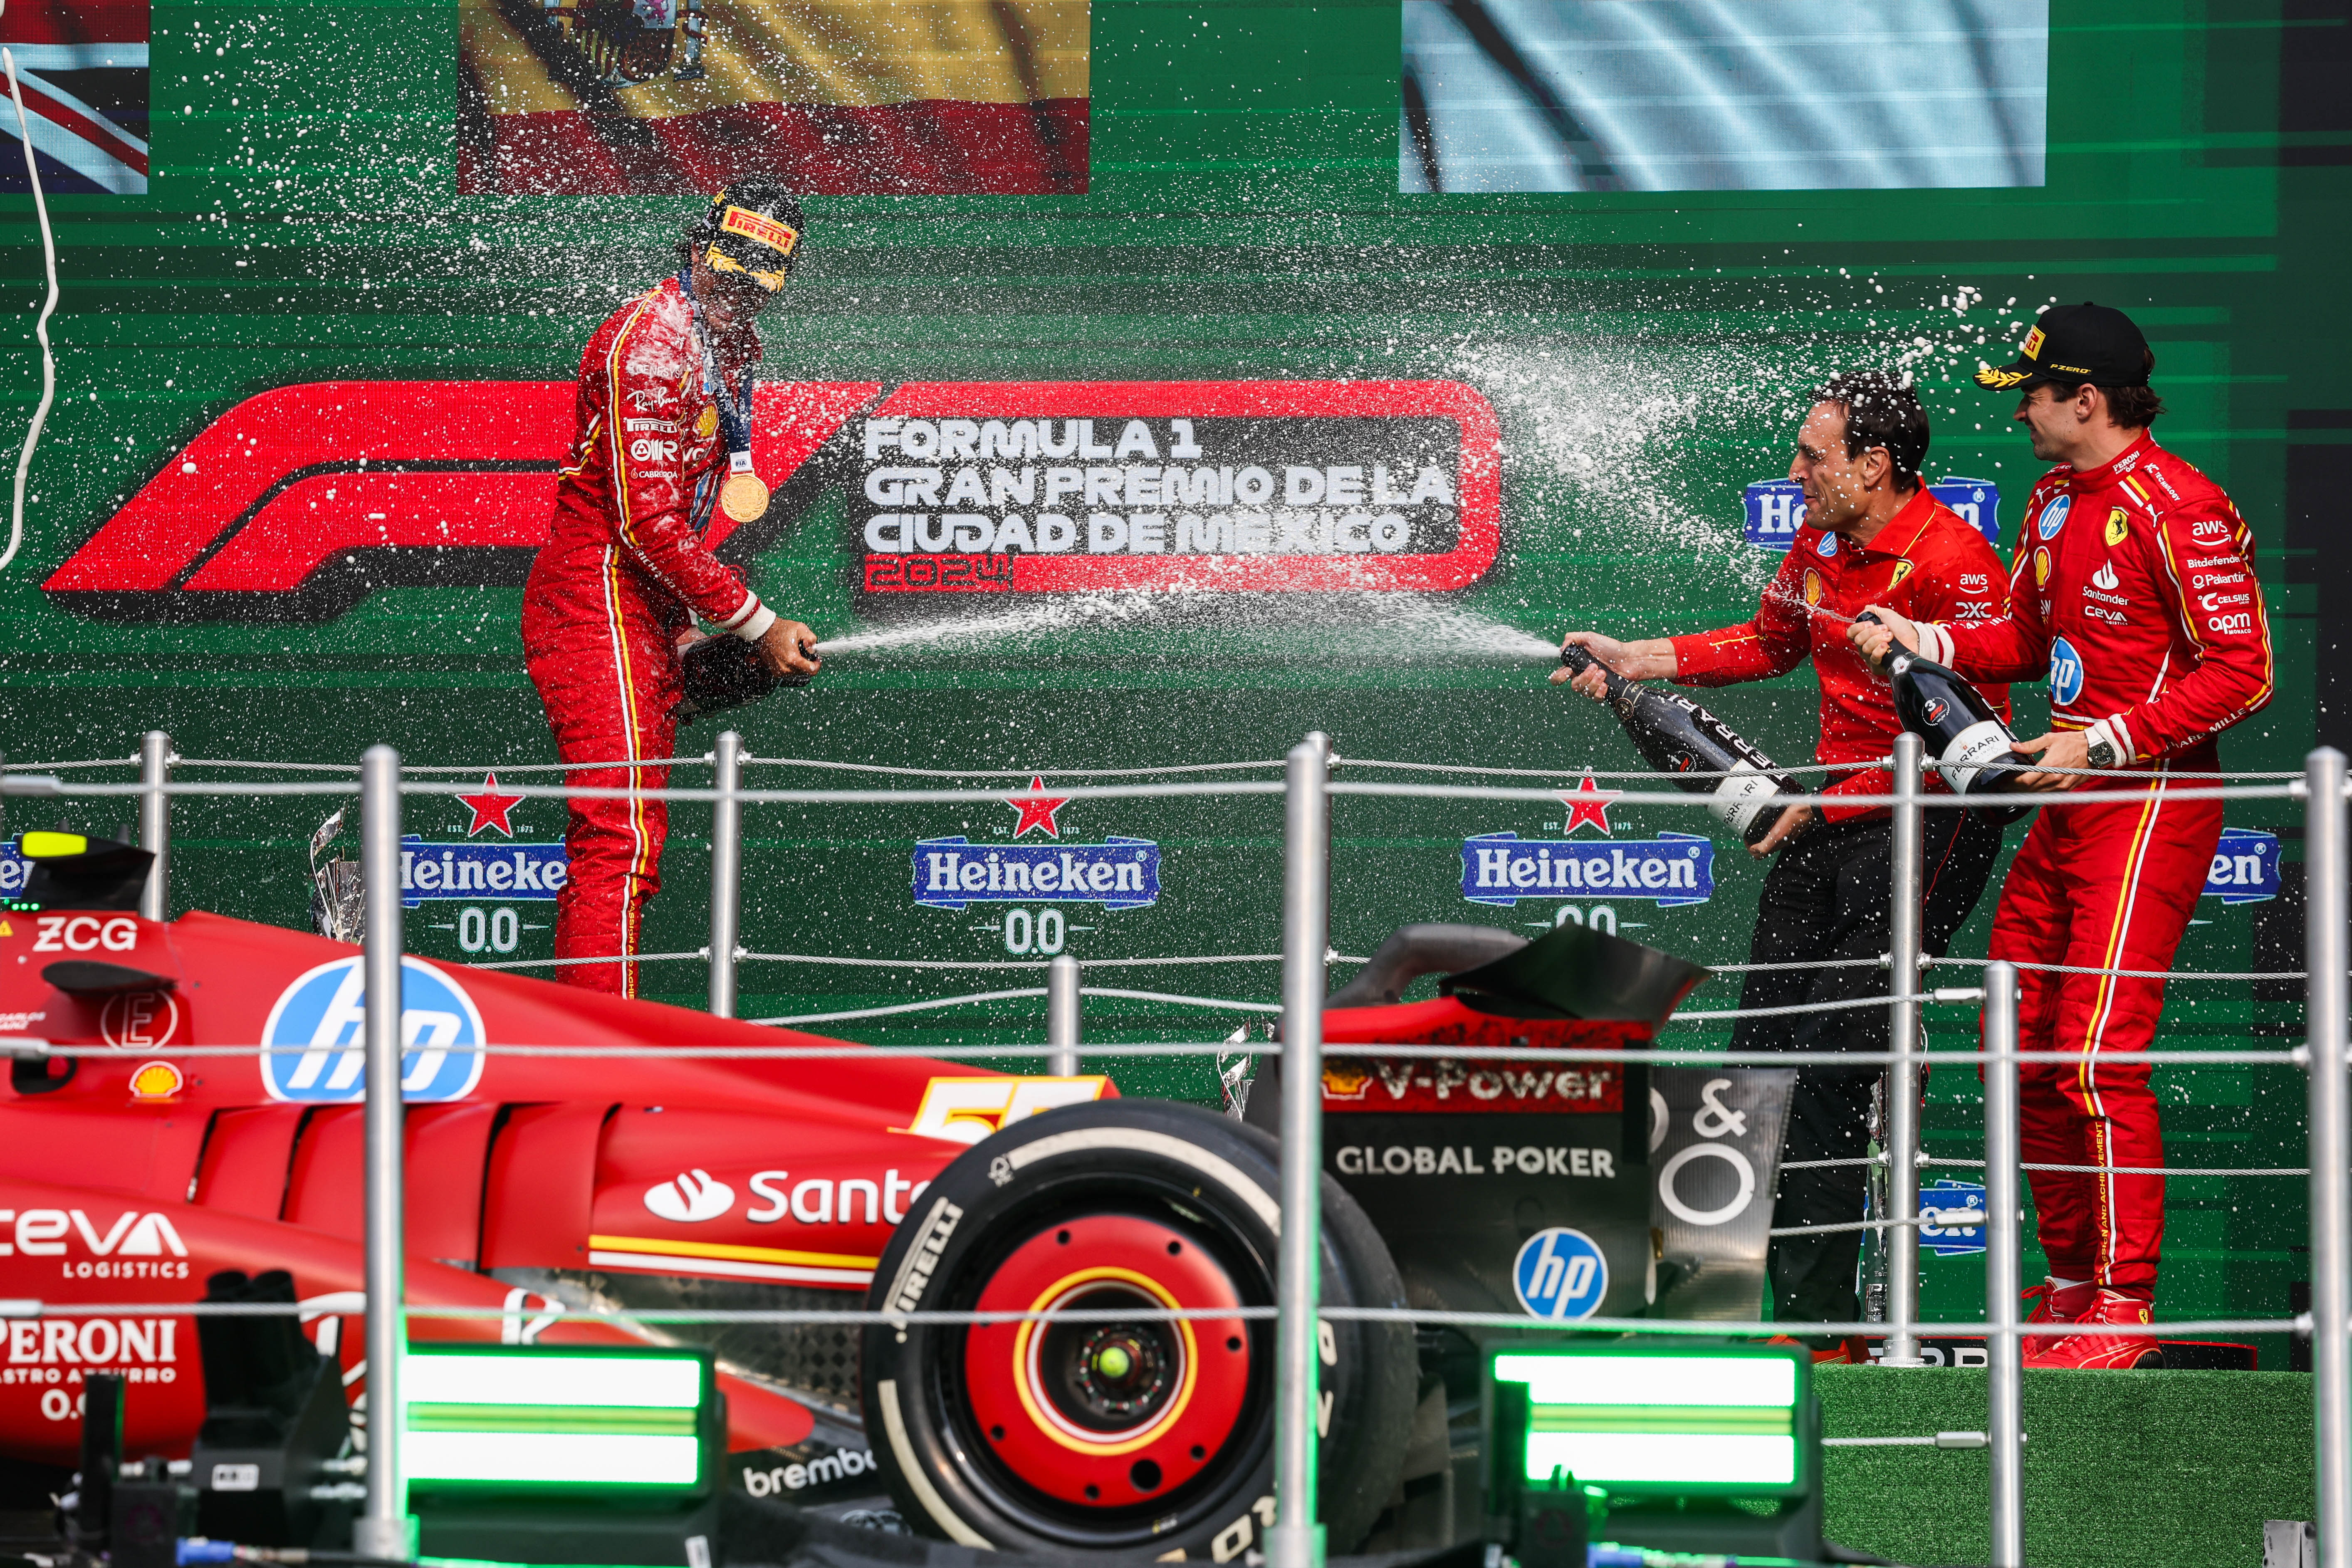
point(1676, 736)
point(1974, 751)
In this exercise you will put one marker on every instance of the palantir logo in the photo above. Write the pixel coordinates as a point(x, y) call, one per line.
point(690, 1197)
point(1560, 1273)
point(312, 1049)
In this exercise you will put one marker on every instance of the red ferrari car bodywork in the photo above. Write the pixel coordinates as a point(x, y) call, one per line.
point(129, 1177)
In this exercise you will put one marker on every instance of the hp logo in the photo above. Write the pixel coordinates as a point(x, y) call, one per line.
point(1560, 1273)
point(323, 1013)
point(2065, 674)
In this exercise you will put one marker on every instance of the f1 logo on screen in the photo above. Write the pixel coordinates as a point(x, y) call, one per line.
point(299, 502)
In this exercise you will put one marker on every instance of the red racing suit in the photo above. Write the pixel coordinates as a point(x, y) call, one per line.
point(622, 574)
point(1926, 563)
point(2133, 585)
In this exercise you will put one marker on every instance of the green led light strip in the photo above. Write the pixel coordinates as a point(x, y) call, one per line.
point(1711, 1419)
point(589, 1420)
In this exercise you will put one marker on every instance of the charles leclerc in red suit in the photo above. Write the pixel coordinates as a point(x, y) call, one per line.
point(661, 437)
point(2134, 586)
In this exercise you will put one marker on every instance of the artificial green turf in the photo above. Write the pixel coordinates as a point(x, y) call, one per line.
point(2123, 1469)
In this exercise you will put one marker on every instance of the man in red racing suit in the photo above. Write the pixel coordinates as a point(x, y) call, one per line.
point(1873, 531)
point(2133, 586)
point(624, 572)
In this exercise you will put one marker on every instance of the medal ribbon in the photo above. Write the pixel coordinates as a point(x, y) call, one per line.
point(734, 414)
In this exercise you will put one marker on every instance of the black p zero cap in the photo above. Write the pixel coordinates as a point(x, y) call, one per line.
point(752, 228)
point(2075, 344)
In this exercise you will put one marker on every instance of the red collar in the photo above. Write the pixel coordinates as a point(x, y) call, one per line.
point(1906, 525)
point(2086, 480)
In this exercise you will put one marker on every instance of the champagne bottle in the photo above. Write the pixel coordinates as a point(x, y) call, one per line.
point(1676, 736)
point(1974, 751)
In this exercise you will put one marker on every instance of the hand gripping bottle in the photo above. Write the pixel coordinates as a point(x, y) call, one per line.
point(1676, 736)
point(1973, 749)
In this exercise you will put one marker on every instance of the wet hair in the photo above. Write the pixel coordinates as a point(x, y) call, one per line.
point(1881, 411)
point(2133, 407)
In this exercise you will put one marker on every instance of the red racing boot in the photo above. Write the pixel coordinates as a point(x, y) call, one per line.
point(2094, 1352)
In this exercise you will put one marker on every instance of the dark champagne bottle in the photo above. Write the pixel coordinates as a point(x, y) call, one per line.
point(1974, 751)
point(1676, 736)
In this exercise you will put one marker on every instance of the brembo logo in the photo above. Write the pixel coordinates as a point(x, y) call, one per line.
point(301, 501)
point(690, 1196)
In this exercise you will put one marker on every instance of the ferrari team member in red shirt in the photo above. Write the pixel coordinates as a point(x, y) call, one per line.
point(1871, 531)
point(662, 436)
point(2134, 587)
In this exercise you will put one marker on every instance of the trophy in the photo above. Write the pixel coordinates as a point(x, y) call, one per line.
point(337, 909)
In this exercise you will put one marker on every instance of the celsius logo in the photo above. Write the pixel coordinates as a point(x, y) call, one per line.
point(690, 1197)
point(1560, 1273)
point(2066, 673)
point(2054, 517)
point(311, 1050)
point(2105, 578)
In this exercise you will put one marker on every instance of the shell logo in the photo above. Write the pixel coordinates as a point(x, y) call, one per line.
point(157, 1081)
point(1812, 587)
point(2041, 566)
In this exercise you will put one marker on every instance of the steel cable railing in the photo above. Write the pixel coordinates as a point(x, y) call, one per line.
point(1309, 787)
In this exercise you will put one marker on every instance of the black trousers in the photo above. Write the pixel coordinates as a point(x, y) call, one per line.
point(1827, 896)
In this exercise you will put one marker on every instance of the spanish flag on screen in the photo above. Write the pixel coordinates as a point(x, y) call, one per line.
point(833, 97)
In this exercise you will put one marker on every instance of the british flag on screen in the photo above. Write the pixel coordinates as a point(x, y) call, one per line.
point(82, 68)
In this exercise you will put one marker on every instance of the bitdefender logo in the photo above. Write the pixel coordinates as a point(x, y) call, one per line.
point(1118, 873)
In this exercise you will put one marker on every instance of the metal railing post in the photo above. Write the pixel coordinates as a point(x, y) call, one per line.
point(155, 823)
point(2004, 1218)
point(1902, 1235)
point(382, 1529)
point(2325, 868)
point(1295, 1540)
point(1062, 1015)
point(726, 873)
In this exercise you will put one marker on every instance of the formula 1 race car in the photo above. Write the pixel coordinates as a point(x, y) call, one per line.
point(541, 1186)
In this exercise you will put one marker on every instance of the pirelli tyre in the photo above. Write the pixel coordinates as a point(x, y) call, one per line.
point(1116, 1435)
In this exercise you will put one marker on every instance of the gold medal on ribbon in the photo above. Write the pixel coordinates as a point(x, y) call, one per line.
point(744, 496)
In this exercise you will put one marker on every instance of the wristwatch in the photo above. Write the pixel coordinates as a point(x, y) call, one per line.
point(2102, 751)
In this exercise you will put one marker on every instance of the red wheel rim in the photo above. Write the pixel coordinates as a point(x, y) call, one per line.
point(1108, 1414)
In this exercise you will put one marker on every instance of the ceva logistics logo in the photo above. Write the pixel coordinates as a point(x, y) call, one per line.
point(311, 1049)
point(1560, 1273)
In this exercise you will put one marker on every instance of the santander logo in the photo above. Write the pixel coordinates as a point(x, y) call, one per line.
point(2105, 578)
point(690, 1197)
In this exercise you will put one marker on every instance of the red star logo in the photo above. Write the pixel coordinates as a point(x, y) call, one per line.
point(490, 807)
point(1588, 803)
point(1036, 809)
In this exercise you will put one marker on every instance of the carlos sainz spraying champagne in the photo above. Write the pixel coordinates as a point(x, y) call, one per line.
point(662, 439)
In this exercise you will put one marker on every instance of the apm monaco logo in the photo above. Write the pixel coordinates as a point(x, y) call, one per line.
point(1673, 868)
point(301, 501)
point(1119, 873)
point(312, 1046)
point(1776, 509)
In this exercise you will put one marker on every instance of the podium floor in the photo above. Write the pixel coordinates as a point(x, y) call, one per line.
point(2157, 1469)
